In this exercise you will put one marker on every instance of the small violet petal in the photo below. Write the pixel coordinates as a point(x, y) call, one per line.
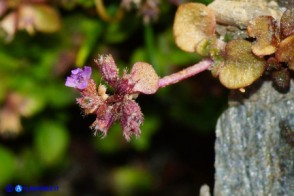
point(79, 78)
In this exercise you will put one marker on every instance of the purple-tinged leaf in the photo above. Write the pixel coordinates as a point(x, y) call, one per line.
point(145, 78)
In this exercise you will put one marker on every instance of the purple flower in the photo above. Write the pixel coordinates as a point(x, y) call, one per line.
point(79, 78)
point(119, 106)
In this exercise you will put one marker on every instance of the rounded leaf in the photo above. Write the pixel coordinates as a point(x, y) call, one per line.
point(51, 141)
point(264, 29)
point(287, 23)
point(145, 77)
point(8, 24)
point(241, 67)
point(40, 17)
point(131, 181)
point(10, 121)
point(285, 52)
point(193, 22)
point(7, 166)
point(47, 19)
point(29, 167)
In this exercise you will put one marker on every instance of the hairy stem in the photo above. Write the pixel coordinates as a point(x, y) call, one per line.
point(185, 73)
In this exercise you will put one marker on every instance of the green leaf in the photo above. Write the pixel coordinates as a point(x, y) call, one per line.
point(131, 181)
point(7, 166)
point(51, 142)
point(46, 18)
point(29, 167)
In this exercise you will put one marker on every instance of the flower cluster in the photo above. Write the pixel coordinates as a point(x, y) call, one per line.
point(120, 106)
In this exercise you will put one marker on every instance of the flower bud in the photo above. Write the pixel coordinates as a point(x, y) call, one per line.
point(108, 69)
point(105, 119)
point(131, 118)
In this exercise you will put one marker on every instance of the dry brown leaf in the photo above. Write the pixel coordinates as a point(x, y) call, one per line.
point(145, 77)
point(193, 22)
point(287, 23)
point(264, 29)
point(285, 52)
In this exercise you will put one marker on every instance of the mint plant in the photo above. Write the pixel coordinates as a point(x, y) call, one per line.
point(238, 64)
point(121, 105)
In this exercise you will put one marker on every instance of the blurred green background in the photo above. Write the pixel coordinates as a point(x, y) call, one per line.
point(44, 138)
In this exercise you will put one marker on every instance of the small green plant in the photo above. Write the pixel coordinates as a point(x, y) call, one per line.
point(238, 64)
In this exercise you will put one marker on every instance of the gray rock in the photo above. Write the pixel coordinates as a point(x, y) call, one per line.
point(255, 144)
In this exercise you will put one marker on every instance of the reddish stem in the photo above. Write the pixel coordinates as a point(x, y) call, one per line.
point(185, 73)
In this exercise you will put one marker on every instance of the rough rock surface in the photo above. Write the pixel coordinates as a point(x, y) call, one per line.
point(255, 144)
